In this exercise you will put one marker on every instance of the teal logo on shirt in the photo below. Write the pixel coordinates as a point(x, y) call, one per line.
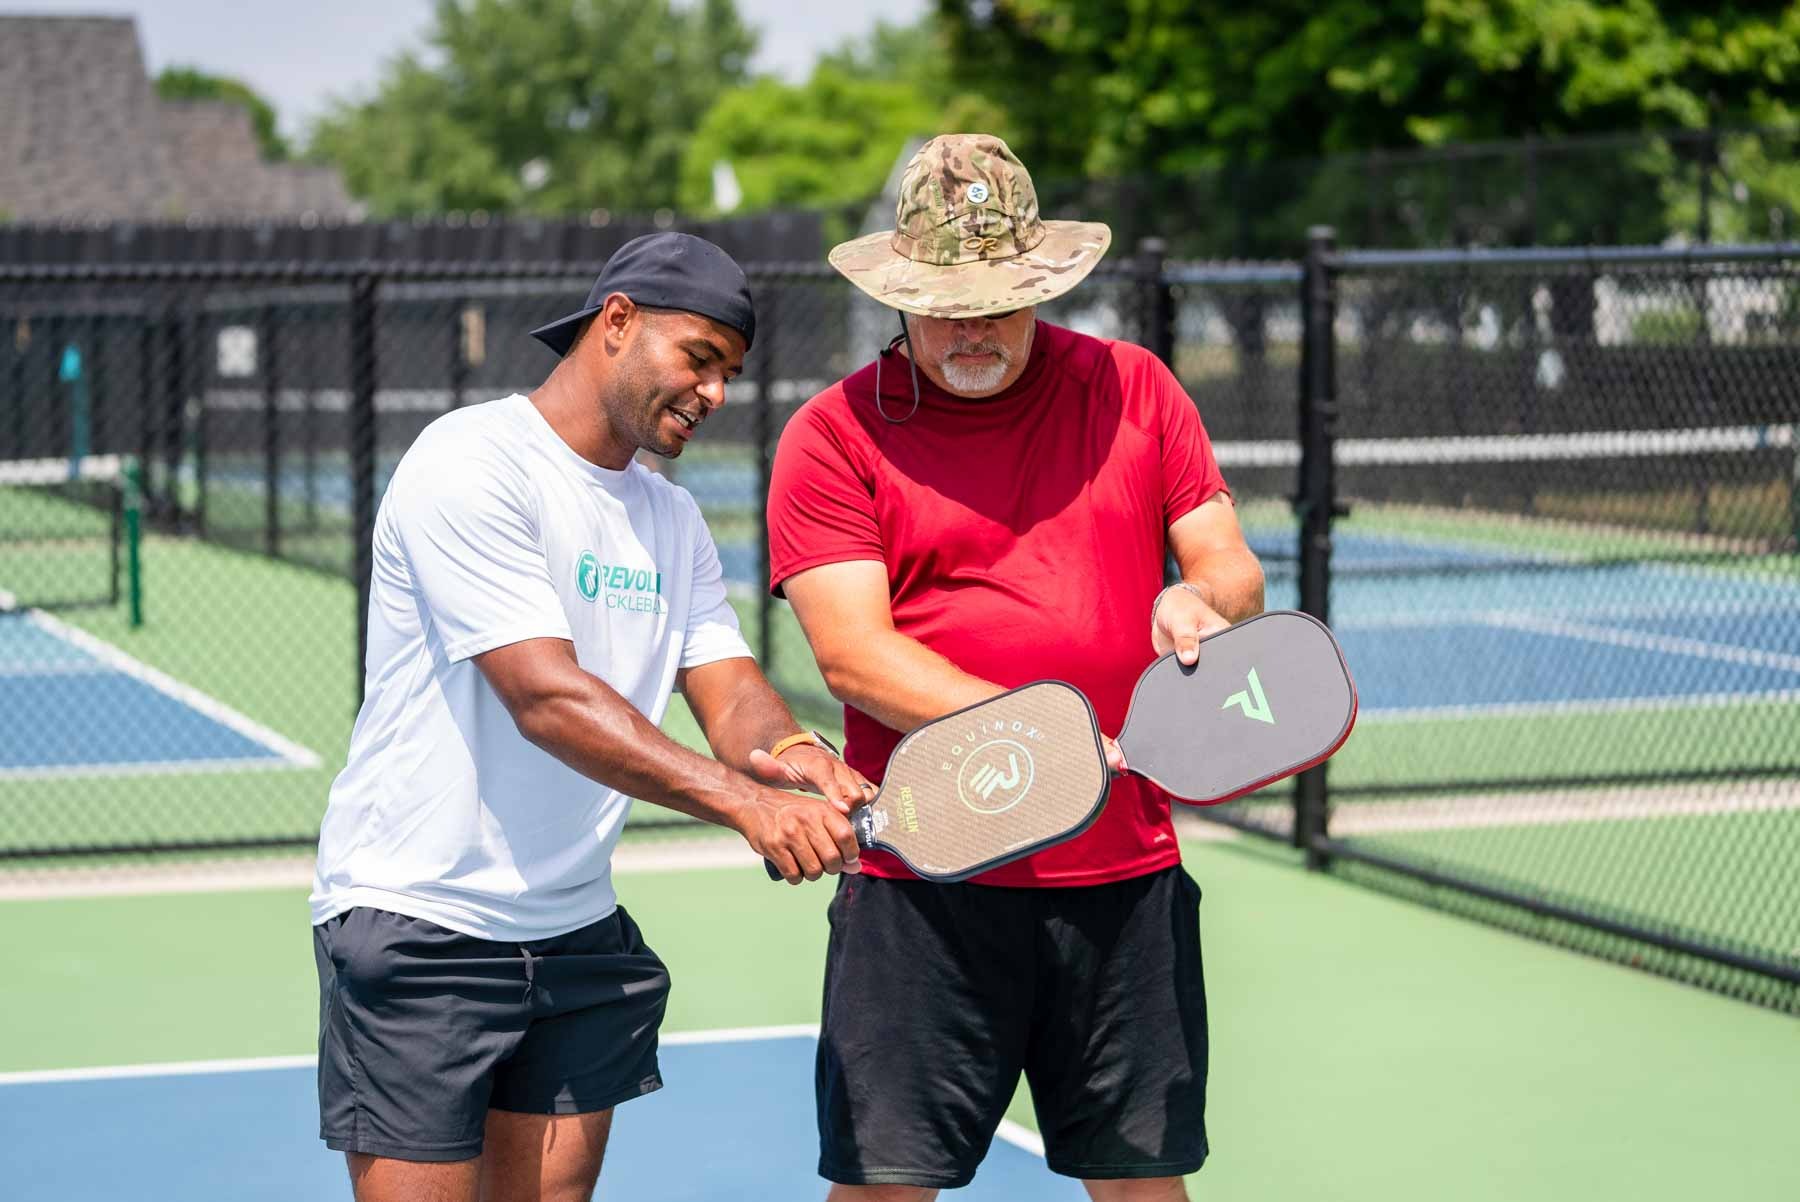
point(587, 575)
point(638, 590)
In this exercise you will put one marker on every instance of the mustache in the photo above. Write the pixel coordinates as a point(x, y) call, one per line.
point(985, 347)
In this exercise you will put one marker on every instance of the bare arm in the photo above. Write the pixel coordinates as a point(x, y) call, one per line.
point(743, 716)
point(845, 612)
point(585, 723)
point(1216, 562)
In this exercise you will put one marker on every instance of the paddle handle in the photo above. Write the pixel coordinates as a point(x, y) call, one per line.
point(862, 821)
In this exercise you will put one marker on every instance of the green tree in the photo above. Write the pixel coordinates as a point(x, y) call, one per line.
point(543, 106)
point(191, 83)
point(1163, 85)
point(832, 141)
point(828, 143)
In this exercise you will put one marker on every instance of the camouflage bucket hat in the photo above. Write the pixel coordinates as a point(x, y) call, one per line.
point(968, 239)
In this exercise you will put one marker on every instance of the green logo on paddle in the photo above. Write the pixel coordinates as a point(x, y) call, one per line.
point(1251, 701)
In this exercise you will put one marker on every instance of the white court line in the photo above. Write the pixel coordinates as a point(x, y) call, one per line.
point(175, 1068)
point(1486, 810)
point(1511, 448)
point(1643, 641)
point(1595, 705)
point(119, 661)
point(257, 1064)
point(1709, 609)
point(1013, 1133)
point(647, 854)
point(101, 769)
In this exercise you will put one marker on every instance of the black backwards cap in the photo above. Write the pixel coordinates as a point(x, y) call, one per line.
point(665, 271)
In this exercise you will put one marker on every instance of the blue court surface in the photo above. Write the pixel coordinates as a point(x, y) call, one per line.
point(1528, 635)
point(735, 1121)
point(78, 706)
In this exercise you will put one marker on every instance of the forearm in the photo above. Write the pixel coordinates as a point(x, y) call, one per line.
point(595, 731)
point(900, 682)
point(753, 717)
point(1230, 580)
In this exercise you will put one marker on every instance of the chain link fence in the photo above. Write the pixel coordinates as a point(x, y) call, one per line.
point(1568, 583)
point(1567, 580)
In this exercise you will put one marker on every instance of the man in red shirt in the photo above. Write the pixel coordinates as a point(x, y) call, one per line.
point(987, 504)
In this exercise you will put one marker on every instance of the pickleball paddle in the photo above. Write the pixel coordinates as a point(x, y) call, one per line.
point(988, 784)
point(1025, 770)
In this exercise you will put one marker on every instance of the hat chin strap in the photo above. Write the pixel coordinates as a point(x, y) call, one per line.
point(911, 361)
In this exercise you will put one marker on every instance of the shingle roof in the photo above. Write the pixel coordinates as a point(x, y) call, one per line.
point(84, 136)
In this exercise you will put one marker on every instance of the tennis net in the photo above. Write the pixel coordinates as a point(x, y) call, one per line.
point(61, 532)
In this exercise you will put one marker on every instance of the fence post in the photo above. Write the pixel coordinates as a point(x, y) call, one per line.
point(1316, 503)
point(766, 375)
point(271, 448)
point(1157, 303)
point(459, 351)
point(362, 457)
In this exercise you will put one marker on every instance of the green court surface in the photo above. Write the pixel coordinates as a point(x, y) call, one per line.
point(277, 644)
point(1363, 1048)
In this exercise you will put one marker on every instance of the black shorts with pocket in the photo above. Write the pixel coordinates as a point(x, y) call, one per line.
point(938, 996)
point(422, 1030)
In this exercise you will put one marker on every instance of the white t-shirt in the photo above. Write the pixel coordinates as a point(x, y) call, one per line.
point(493, 530)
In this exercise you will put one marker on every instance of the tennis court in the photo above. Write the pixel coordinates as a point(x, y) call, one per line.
point(86, 708)
point(169, 1117)
point(1363, 1048)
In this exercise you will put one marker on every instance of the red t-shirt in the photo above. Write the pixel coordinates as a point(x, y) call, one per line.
point(1024, 536)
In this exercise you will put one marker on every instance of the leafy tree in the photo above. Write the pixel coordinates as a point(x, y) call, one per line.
point(546, 106)
point(191, 83)
point(832, 141)
point(828, 143)
point(1163, 85)
point(1222, 111)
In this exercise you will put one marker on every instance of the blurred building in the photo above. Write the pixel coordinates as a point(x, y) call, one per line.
point(84, 136)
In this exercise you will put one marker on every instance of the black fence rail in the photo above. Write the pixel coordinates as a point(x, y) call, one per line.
point(1547, 499)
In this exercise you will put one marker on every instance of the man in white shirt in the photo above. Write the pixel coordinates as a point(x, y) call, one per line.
point(537, 595)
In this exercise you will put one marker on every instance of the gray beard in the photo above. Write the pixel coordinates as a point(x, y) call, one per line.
point(974, 380)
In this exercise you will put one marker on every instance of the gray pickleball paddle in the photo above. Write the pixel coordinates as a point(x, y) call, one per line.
point(1270, 696)
point(988, 784)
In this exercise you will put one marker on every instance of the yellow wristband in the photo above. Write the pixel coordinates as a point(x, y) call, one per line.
point(805, 736)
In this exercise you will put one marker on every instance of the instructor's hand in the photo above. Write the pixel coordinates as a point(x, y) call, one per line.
point(815, 770)
point(803, 837)
point(1180, 619)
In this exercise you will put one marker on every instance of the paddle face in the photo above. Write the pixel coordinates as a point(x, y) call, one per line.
point(1270, 697)
point(988, 784)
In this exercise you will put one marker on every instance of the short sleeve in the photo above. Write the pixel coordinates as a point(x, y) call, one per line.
point(472, 545)
point(712, 626)
point(1190, 471)
point(821, 508)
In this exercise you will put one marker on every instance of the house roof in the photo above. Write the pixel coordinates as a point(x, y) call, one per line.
point(83, 136)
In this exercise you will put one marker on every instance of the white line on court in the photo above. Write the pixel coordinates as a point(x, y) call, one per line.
point(102, 769)
point(177, 1068)
point(195, 1068)
point(1595, 705)
point(1013, 1133)
point(676, 853)
point(119, 661)
point(1486, 810)
point(1709, 608)
point(1644, 641)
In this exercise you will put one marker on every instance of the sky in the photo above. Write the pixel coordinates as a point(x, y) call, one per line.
point(301, 53)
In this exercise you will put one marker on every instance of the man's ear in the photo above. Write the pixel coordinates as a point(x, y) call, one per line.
point(617, 321)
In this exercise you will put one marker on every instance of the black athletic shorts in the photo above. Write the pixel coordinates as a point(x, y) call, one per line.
point(422, 1030)
point(937, 996)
